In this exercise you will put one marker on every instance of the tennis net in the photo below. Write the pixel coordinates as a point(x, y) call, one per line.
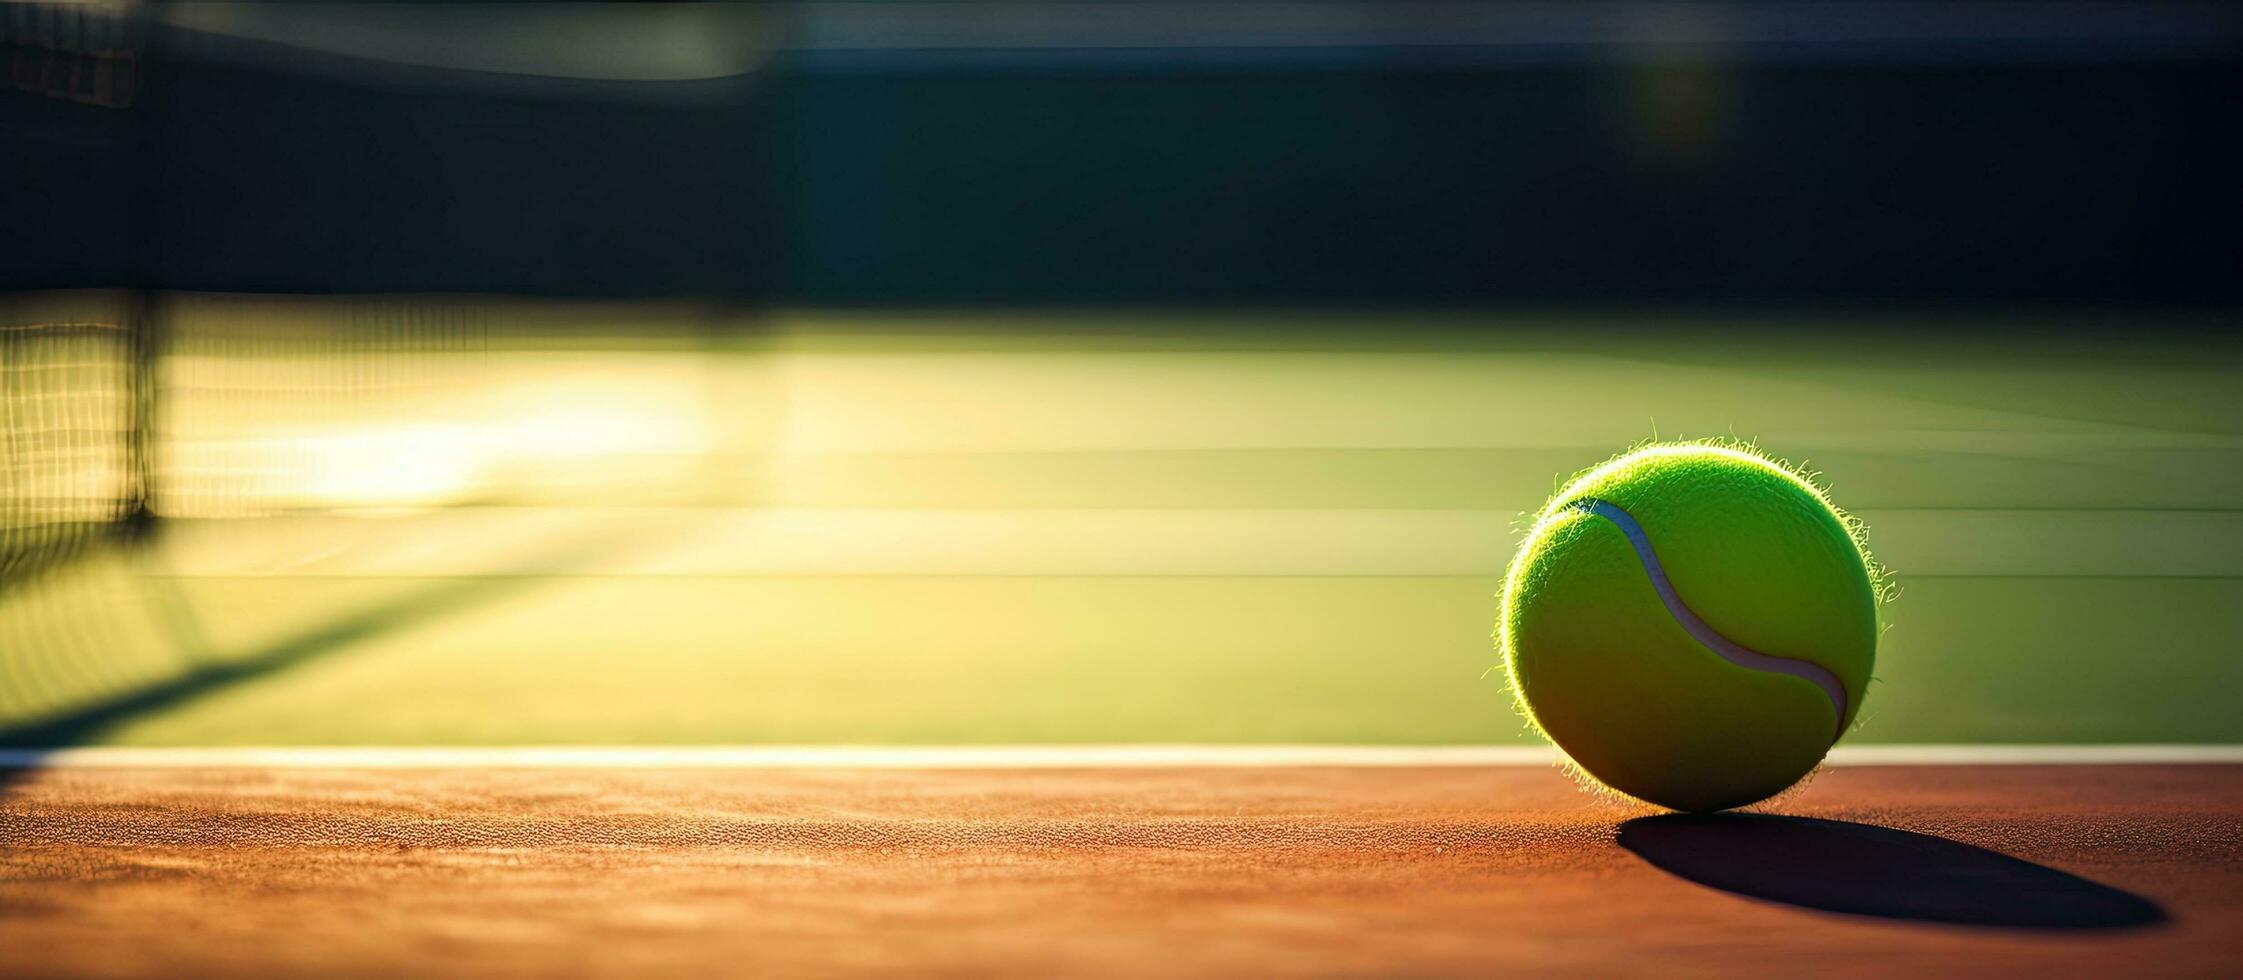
point(73, 409)
point(130, 419)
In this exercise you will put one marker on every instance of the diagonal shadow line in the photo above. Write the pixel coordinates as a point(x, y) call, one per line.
point(91, 721)
point(1880, 872)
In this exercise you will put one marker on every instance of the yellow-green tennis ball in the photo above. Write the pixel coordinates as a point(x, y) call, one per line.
point(1694, 624)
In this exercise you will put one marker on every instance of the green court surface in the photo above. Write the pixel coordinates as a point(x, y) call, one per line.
point(993, 528)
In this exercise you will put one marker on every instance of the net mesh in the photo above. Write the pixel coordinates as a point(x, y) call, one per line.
point(137, 428)
point(69, 424)
point(275, 405)
point(74, 624)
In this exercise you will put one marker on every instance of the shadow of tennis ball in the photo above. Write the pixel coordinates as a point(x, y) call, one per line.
point(1858, 869)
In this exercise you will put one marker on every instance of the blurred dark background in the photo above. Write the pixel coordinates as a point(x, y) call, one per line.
point(1098, 153)
point(972, 372)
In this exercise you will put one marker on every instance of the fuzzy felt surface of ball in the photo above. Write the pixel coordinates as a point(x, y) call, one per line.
point(1694, 624)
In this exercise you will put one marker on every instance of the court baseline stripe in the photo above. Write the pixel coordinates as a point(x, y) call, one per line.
point(1020, 756)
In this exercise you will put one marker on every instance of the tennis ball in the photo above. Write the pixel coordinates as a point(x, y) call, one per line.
point(1693, 624)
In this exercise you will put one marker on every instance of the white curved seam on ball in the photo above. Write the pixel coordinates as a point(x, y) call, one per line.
point(1703, 632)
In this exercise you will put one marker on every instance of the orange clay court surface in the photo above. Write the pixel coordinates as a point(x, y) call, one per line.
point(1439, 871)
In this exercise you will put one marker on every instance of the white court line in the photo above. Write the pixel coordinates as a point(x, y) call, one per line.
point(1021, 756)
point(804, 541)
